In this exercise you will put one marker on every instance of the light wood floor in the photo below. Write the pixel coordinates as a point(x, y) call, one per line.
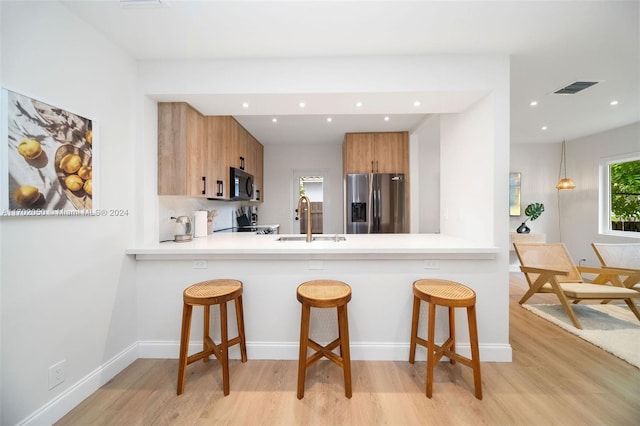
point(555, 379)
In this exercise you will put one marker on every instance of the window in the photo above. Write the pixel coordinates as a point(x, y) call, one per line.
point(620, 195)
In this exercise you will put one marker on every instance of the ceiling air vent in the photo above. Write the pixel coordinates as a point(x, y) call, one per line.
point(575, 87)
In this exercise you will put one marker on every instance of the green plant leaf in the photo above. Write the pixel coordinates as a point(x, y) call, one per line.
point(534, 210)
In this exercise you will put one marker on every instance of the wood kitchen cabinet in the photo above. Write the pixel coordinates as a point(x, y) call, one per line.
point(196, 152)
point(182, 150)
point(231, 145)
point(258, 174)
point(220, 131)
point(386, 152)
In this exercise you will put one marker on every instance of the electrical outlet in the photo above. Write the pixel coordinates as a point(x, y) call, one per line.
point(431, 264)
point(56, 374)
point(200, 264)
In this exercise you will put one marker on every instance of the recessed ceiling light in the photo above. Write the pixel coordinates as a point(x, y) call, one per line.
point(386, 118)
point(544, 128)
point(245, 105)
point(533, 103)
point(329, 119)
point(614, 103)
point(417, 103)
point(274, 120)
point(302, 104)
point(358, 104)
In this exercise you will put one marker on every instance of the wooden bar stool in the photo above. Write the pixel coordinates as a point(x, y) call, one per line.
point(207, 293)
point(452, 295)
point(324, 294)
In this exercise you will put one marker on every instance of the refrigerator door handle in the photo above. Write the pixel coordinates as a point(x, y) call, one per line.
point(372, 204)
point(377, 208)
point(374, 217)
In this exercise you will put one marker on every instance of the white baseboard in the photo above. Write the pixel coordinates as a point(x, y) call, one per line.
point(360, 351)
point(78, 392)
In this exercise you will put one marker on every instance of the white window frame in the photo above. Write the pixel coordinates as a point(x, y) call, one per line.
point(604, 193)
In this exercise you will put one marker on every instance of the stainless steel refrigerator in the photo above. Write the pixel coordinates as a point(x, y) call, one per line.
point(375, 203)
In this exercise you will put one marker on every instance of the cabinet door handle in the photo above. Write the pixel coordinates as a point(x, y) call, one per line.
point(241, 163)
point(204, 185)
point(220, 188)
point(372, 167)
point(257, 195)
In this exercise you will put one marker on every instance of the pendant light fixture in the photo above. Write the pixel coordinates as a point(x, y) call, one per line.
point(565, 182)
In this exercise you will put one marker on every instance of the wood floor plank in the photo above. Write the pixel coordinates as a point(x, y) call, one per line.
point(555, 378)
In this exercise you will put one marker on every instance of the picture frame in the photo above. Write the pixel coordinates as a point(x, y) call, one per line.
point(515, 180)
point(48, 158)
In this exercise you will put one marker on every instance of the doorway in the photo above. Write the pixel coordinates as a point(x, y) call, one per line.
point(311, 183)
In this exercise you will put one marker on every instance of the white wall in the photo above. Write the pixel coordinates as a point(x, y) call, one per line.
point(67, 289)
point(279, 163)
point(576, 210)
point(539, 165)
point(580, 211)
point(426, 172)
point(466, 175)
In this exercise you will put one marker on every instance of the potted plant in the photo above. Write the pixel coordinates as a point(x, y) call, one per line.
point(533, 211)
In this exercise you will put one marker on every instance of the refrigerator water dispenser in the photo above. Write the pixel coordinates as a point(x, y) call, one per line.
point(358, 212)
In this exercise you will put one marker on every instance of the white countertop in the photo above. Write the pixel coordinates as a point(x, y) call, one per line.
point(239, 245)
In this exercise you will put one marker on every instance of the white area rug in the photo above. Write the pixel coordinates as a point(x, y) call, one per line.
point(612, 328)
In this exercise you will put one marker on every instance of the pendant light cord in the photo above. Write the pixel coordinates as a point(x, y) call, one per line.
point(563, 161)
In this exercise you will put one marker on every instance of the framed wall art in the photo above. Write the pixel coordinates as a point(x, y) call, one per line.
point(514, 193)
point(48, 159)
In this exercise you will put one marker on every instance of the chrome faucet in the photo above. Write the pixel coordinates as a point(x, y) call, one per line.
point(305, 198)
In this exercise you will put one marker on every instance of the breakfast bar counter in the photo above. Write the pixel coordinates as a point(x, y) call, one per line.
point(380, 269)
point(326, 246)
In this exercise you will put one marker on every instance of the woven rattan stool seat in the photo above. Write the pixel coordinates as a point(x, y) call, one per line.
point(212, 292)
point(445, 293)
point(450, 295)
point(324, 294)
point(206, 294)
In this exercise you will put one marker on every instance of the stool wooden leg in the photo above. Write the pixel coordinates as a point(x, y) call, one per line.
point(206, 318)
point(224, 354)
point(452, 332)
point(414, 329)
point(343, 325)
point(431, 333)
point(240, 321)
point(302, 357)
point(475, 350)
point(184, 346)
point(339, 332)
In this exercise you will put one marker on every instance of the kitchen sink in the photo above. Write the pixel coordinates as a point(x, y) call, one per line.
point(335, 238)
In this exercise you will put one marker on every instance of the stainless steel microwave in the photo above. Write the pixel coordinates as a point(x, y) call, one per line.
point(241, 185)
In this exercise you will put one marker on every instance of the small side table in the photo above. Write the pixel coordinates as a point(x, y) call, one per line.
point(526, 238)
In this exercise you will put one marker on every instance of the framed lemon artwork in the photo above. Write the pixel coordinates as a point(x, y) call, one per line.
point(49, 157)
